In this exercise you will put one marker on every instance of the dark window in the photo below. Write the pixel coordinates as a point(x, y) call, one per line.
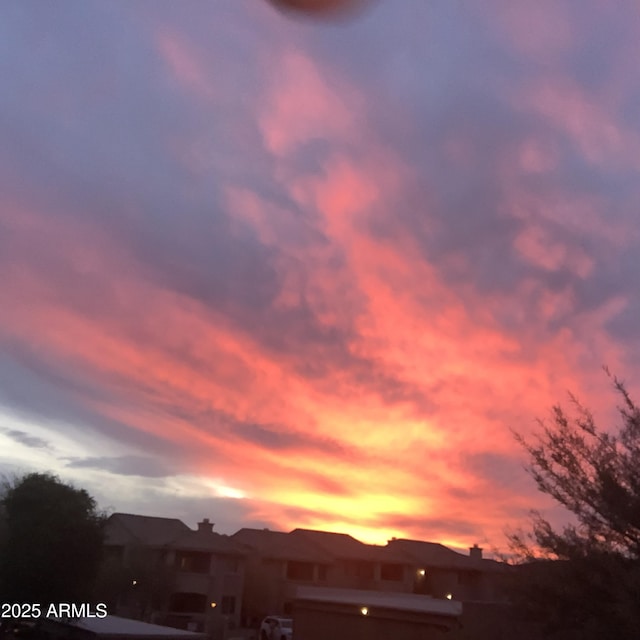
point(227, 564)
point(299, 571)
point(188, 603)
point(288, 607)
point(193, 561)
point(391, 572)
point(365, 570)
point(322, 572)
point(228, 604)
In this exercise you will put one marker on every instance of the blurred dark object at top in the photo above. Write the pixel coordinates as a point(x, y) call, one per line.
point(324, 9)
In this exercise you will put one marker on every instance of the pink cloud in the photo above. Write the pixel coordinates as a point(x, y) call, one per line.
point(301, 105)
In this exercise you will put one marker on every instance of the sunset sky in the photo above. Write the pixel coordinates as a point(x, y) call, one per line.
point(288, 273)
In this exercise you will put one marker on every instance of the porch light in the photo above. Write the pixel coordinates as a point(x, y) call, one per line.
point(364, 611)
point(213, 605)
point(421, 573)
point(449, 596)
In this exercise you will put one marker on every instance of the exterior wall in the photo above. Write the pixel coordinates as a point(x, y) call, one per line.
point(480, 586)
point(264, 588)
point(221, 586)
point(188, 597)
point(353, 574)
point(467, 585)
point(338, 575)
point(270, 585)
point(470, 586)
point(440, 582)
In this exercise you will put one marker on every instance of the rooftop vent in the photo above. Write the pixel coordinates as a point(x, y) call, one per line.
point(205, 525)
point(475, 552)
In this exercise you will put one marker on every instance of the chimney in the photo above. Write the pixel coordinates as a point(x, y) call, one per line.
point(205, 525)
point(475, 552)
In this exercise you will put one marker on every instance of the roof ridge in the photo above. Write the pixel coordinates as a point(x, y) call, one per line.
point(139, 515)
point(328, 533)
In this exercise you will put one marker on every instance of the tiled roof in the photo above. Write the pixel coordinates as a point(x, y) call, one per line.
point(304, 545)
point(206, 541)
point(125, 528)
point(281, 546)
point(434, 554)
point(428, 553)
point(344, 546)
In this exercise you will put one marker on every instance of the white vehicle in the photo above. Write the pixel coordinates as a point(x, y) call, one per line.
point(276, 628)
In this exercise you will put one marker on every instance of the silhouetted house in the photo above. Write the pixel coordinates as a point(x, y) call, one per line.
point(278, 562)
point(345, 614)
point(443, 573)
point(126, 532)
point(178, 577)
point(478, 583)
point(357, 565)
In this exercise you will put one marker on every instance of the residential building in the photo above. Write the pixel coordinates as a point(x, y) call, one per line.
point(176, 576)
point(443, 573)
point(276, 563)
point(357, 565)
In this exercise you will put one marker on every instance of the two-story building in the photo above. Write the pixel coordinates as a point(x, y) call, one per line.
point(203, 581)
point(357, 565)
point(176, 576)
point(443, 573)
point(278, 563)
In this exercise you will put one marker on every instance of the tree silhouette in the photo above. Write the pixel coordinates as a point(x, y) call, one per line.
point(584, 581)
point(51, 541)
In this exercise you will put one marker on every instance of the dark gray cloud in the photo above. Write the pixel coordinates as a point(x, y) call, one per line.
point(504, 471)
point(273, 437)
point(278, 439)
point(44, 395)
point(128, 465)
point(26, 439)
